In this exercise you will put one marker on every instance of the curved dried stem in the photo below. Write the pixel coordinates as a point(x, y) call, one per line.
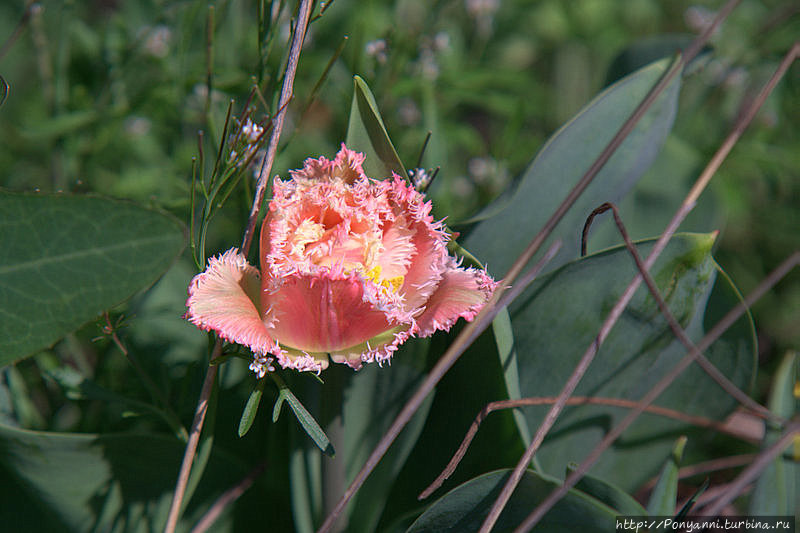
point(699, 421)
point(617, 310)
point(202, 405)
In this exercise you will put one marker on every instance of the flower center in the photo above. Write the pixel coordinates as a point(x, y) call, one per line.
point(361, 249)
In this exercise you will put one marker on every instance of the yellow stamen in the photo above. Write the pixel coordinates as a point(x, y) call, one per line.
point(392, 284)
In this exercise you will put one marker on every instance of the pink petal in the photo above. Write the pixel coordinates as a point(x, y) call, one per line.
point(323, 313)
point(461, 293)
point(225, 299)
point(348, 165)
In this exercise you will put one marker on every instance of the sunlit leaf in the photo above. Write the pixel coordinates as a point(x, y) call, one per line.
point(366, 133)
point(508, 225)
point(67, 258)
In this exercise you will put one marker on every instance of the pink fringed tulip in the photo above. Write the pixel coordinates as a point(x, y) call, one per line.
point(350, 268)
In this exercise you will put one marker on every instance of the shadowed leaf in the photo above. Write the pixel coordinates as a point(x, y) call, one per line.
point(68, 258)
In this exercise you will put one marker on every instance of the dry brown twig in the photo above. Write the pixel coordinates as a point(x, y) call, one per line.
point(298, 36)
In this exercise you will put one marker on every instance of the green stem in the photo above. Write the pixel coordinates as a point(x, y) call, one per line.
point(334, 480)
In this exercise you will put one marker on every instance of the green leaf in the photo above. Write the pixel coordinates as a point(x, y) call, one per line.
point(303, 416)
point(88, 482)
point(558, 317)
point(777, 489)
point(515, 218)
point(609, 494)
point(664, 497)
point(251, 408)
point(465, 507)
point(366, 133)
point(372, 401)
point(649, 49)
point(504, 338)
point(68, 258)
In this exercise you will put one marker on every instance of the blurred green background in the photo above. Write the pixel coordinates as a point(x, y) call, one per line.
point(108, 97)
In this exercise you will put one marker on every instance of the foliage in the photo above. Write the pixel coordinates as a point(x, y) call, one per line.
point(101, 105)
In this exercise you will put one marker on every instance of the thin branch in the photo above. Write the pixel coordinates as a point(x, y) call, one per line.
point(202, 405)
point(700, 421)
point(227, 498)
point(622, 303)
point(194, 440)
point(719, 328)
point(283, 102)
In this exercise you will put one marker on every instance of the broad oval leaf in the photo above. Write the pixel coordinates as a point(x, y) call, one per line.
point(366, 133)
point(88, 482)
point(514, 219)
point(558, 317)
point(465, 507)
point(67, 258)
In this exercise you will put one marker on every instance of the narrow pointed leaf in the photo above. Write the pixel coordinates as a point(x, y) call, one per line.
point(251, 408)
point(366, 133)
point(777, 489)
point(310, 425)
point(664, 497)
point(68, 258)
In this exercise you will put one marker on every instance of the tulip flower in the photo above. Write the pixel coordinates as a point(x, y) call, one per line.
point(350, 268)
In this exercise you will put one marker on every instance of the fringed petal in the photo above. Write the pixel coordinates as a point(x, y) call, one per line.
point(377, 349)
point(225, 299)
point(461, 293)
